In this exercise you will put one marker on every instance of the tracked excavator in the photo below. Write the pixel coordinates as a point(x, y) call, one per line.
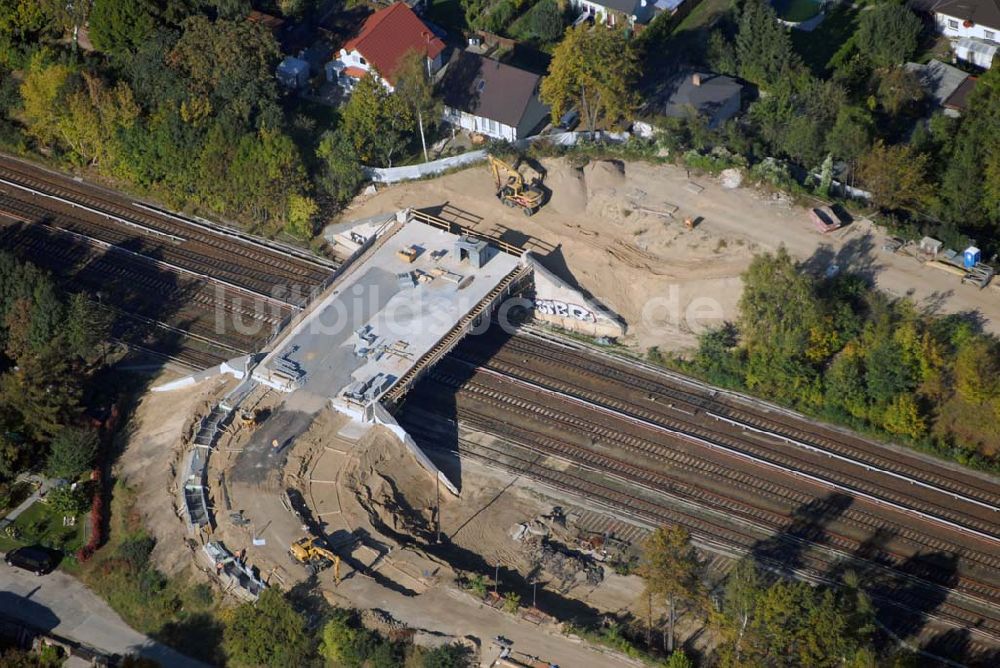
point(512, 188)
point(315, 557)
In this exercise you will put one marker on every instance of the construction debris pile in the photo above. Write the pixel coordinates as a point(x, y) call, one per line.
point(546, 542)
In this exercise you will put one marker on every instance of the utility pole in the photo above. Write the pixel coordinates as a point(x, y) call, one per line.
point(496, 578)
point(437, 504)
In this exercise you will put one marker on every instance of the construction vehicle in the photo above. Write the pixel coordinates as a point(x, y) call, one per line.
point(512, 188)
point(315, 557)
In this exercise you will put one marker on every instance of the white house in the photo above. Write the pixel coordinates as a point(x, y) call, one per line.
point(614, 12)
point(973, 25)
point(491, 98)
point(386, 36)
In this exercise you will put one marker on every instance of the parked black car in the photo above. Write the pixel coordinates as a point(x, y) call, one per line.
point(38, 560)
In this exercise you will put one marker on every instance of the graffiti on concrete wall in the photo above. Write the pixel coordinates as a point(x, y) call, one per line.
point(562, 309)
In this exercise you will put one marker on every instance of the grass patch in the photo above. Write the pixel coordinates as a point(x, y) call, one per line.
point(817, 47)
point(42, 525)
point(174, 611)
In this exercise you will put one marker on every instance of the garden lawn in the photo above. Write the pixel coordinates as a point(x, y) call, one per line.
point(40, 524)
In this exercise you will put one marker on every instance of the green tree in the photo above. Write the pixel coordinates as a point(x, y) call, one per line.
point(546, 21)
point(379, 124)
point(887, 34)
point(86, 326)
point(43, 95)
point(342, 174)
point(72, 452)
point(415, 89)
point(344, 642)
point(267, 633)
point(301, 212)
point(678, 659)
point(977, 370)
point(896, 176)
point(118, 27)
point(595, 71)
point(743, 589)
point(851, 134)
point(230, 65)
point(671, 571)
point(45, 390)
point(763, 47)
point(453, 655)
point(897, 89)
point(67, 501)
point(902, 416)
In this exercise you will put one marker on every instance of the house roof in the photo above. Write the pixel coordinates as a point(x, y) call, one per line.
point(939, 79)
point(959, 98)
point(623, 6)
point(981, 12)
point(706, 98)
point(488, 88)
point(388, 34)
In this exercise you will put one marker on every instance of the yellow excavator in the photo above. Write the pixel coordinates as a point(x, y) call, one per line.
point(513, 190)
point(315, 557)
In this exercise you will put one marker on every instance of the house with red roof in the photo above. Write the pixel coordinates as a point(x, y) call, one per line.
point(386, 36)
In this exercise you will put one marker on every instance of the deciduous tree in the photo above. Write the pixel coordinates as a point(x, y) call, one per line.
point(414, 87)
point(593, 70)
point(267, 633)
point(379, 124)
point(118, 27)
point(670, 570)
point(887, 34)
point(896, 176)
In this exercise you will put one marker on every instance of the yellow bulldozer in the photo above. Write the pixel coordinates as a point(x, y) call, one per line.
point(513, 189)
point(315, 557)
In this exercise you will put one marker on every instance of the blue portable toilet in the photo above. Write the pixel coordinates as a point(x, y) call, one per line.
point(971, 257)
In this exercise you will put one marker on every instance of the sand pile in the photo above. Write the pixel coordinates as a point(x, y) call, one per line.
point(569, 190)
point(597, 189)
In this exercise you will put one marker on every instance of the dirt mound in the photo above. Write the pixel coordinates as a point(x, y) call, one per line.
point(392, 487)
point(569, 190)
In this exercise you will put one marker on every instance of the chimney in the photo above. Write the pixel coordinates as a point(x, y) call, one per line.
point(696, 79)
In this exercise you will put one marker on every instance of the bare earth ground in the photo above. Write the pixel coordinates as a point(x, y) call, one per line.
point(157, 434)
point(668, 282)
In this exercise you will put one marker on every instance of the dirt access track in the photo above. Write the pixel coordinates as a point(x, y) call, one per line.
point(617, 231)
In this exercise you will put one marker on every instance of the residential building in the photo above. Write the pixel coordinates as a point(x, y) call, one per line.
point(947, 86)
point(491, 98)
point(715, 97)
point(973, 26)
point(386, 36)
point(617, 12)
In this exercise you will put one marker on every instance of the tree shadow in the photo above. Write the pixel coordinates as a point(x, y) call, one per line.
point(198, 636)
point(783, 553)
point(856, 256)
point(22, 609)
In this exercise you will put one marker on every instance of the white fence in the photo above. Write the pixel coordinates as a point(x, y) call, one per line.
point(411, 172)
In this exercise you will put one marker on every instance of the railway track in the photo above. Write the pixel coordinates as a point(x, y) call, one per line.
point(903, 601)
point(179, 288)
point(973, 508)
point(603, 416)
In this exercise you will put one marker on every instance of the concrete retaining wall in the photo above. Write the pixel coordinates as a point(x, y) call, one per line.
point(566, 307)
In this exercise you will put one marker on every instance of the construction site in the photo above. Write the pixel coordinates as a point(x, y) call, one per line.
point(435, 430)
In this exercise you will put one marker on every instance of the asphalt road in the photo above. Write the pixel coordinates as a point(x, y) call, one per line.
point(62, 605)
